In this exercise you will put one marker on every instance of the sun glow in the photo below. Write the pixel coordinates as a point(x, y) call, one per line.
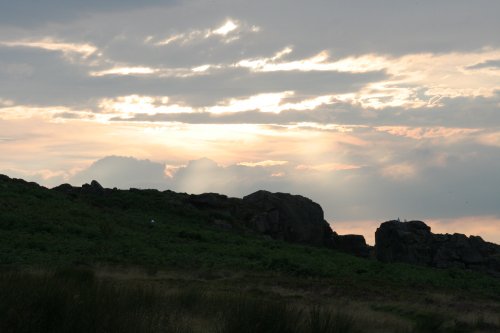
point(132, 105)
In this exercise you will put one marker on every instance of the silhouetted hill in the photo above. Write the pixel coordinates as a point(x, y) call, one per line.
point(272, 244)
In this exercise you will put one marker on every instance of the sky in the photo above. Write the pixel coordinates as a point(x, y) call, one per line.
point(377, 110)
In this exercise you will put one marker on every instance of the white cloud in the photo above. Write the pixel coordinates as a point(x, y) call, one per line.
point(490, 139)
point(229, 31)
point(132, 105)
point(278, 174)
point(399, 172)
point(124, 71)
point(415, 80)
point(326, 167)
point(69, 50)
point(269, 102)
point(318, 62)
point(226, 28)
point(6, 102)
point(266, 163)
point(419, 133)
point(161, 72)
point(51, 114)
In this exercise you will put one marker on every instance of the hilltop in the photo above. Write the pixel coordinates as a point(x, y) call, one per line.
point(259, 245)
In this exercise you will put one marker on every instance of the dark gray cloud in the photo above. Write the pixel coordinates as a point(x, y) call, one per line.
point(119, 30)
point(486, 64)
point(33, 12)
point(45, 74)
point(39, 77)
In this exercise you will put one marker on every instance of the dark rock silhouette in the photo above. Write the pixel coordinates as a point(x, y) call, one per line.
point(288, 217)
point(354, 244)
point(413, 242)
point(93, 188)
point(409, 242)
point(65, 188)
point(282, 216)
point(209, 200)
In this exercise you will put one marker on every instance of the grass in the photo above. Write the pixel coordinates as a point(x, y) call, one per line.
point(85, 300)
point(76, 301)
point(45, 228)
point(87, 263)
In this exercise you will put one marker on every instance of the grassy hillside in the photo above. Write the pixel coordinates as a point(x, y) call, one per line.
point(45, 232)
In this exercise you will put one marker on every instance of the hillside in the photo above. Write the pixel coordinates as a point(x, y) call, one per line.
point(193, 244)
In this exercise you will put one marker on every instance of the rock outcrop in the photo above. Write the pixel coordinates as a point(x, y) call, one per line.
point(93, 188)
point(283, 216)
point(353, 244)
point(409, 242)
point(288, 217)
point(413, 242)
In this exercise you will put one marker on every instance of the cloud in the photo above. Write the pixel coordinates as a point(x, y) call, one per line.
point(490, 64)
point(149, 71)
point(326, 167)
point(269, 102)
point(419, 133)
point(33, 12)
point(263, 163)
point(69, 50)
point(6, 102)
point(228, 32)
point(486, 226)
point(123, 172)
point(128, 106)
point(318, 62)
point(490, 139)
point(55, 113)
point(399, 172)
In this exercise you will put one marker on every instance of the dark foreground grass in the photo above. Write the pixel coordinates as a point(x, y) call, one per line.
point(73, 300)
point(76, 300)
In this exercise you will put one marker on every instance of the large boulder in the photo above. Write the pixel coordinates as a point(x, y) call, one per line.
point(456, 250)
point(353, 244)
point(93, 188)
point(209, 200)
point(288, 217)
point(413, 242)
point(409, 242)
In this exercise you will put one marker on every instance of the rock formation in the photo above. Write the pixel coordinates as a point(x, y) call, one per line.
point(291, 218)
point(297, 219)
point(353, 244)
point(413, 242)
point(93, 188)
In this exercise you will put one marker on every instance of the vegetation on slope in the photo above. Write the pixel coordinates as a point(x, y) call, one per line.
point(44, 232)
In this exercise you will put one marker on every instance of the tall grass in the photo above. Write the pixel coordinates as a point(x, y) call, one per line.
point(74, 300)
point(321, 320)
point(248, 315)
